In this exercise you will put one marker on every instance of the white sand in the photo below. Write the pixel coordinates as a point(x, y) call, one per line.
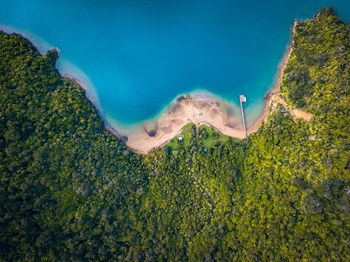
point(198, 110)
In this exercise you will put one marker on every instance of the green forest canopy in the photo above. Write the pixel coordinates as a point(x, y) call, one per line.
point(72, 191)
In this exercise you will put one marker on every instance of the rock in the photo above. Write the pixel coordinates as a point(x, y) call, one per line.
point(152, 133)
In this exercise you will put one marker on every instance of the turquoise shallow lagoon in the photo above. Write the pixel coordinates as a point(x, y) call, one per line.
point(135, 57)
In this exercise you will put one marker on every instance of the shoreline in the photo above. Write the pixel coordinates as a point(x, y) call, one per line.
point(210, 111)
point(272, 97)
point(272, 94)
point(199, 107)
point(201, 112)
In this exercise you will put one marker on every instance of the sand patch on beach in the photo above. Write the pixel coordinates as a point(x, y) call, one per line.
point(186, 109)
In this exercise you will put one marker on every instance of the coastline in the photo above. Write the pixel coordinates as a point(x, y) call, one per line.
point(218, 114)
point(198, 108)
point(273, 95)
point(157, 133)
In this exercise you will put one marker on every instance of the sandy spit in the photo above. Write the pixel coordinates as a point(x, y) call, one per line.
point(187, 109)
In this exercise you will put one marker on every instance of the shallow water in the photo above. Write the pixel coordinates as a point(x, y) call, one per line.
point(135, 57)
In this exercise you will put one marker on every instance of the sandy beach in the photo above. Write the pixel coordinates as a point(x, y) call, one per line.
point(196, 109)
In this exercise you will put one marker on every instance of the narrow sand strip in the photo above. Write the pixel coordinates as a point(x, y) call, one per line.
point(272, 98)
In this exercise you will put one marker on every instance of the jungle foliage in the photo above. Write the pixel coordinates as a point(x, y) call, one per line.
point(71, 191)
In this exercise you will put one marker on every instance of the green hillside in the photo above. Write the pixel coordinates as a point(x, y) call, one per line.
point(71, 191)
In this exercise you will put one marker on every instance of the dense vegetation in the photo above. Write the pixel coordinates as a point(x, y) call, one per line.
point(69, 190)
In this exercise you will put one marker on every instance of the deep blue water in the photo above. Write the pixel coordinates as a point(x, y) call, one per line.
point(139, 55)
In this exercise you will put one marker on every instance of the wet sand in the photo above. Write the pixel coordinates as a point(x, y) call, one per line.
point(186, 109)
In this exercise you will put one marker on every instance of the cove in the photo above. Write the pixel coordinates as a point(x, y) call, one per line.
point(136, 57)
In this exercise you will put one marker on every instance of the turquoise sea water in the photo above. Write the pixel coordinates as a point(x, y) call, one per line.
point(135, 57)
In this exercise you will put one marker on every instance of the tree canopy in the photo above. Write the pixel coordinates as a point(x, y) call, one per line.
point(71, 191)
